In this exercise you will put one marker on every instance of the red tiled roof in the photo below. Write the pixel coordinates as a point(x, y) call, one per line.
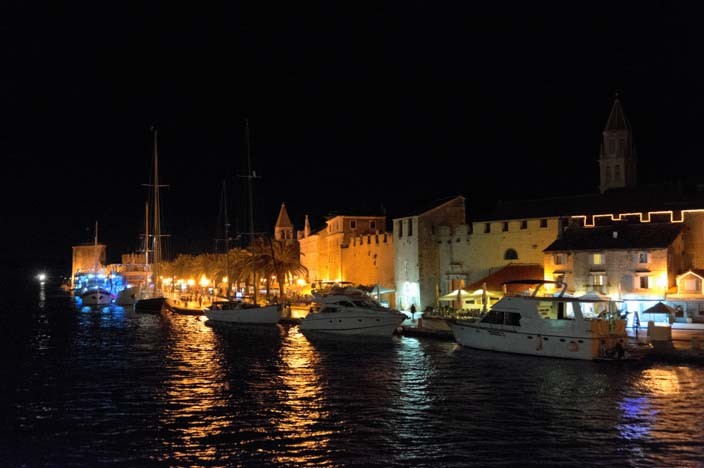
point(512, 271)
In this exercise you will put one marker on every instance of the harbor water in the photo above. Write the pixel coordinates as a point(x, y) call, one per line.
point(114, 387)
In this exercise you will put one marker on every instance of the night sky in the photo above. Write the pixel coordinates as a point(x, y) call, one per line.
point(353, 107)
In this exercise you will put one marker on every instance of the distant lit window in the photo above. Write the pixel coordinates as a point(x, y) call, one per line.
point(560, 259)
point(505, 226)
point(597, 280)
point(644, 282)
point(510, 254)
point(487, 228)
point(643, 257)
point(524, 224)
point(597, 259)
point(543, 223)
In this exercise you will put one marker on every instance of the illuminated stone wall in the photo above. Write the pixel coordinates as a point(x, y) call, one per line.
point(325, 252)
point(369, 259)
point(487, 251)
point(417, 253)
point(84, 257)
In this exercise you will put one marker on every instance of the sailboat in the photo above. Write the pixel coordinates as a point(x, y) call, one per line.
point(152, 299)
point(95, 287)
point(237, 311)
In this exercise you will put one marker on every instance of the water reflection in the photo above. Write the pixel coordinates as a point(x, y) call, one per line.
point(195, 392)
point(300, 394)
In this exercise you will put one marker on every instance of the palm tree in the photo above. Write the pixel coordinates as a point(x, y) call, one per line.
point(275, 258)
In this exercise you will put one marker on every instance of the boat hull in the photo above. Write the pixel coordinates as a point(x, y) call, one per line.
point(376, 324)
point(98, 297)
point(509, 340)
point(152, 305)
point(269, 315)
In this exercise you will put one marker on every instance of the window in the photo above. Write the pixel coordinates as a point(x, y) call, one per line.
point(608, 174)
point(612, 146)
point(543, 223)
point(372, 224)
point(400, 229)
point(643, 257)
point(487, 228)
point(510, 254)
point(559, 259)
point(617, 173)
point(505, 226)
point(353, 224)
point(597, 279)
point(690, 285)
point(597, 259)
point(410, 227)
point(644, 282)
point(524, 224)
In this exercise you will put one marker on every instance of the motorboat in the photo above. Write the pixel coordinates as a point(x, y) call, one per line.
point(552, 325)
point(95, 289)
point(350, 311)
point(240, 312)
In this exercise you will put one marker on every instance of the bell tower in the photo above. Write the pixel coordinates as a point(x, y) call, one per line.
point(283, 230)
point(617, 163)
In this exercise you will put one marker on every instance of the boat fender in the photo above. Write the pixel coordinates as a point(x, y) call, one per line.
point(572, 346)
point(539, 344)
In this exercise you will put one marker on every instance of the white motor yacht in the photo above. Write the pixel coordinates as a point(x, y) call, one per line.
point(239, 312)
point(351, 312)
point(549, 325)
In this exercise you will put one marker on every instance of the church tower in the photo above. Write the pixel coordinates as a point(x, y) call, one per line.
point(284, 228)
point(617, 162)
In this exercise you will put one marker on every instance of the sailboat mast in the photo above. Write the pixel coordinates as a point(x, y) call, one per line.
point(227, 240)
point(146, 233)
point(95, 249)
point(250, 176)
point(155, 212)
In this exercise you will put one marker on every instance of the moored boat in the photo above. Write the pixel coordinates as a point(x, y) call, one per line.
point(239, 312)
point(549, 325)
point(350, 311)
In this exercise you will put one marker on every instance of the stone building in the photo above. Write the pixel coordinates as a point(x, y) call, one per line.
point(430, 253)
point(356, 249)
point(664, 226)
point(88, 257)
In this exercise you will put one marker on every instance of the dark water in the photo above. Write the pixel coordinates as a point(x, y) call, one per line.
point(125, 389)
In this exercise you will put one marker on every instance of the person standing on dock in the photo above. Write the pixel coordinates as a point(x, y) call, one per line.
point(413, 312)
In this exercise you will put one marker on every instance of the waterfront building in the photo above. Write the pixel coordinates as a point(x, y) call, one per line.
point(351, 248)
point(430, 253)
point(87, 257)
point(664, 225)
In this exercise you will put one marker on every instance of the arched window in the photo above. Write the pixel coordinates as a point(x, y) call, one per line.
point(510, 254)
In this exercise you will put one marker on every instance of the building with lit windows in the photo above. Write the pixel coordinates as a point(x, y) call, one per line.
point(430, 253)
point(629, 241)
point(355, 249)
